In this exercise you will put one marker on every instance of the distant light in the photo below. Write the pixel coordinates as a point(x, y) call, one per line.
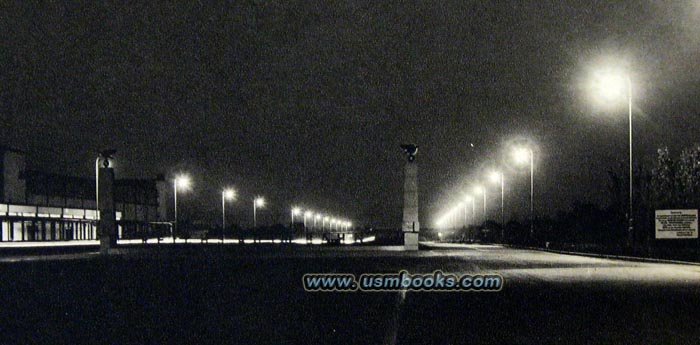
point(182, 181)
point(317, 216)
point(308, 214)
point(478, 190)
point(468, 198)
point(521, 155)
point(610, 84)
point(229, 194)
point(259, 202)
point(495, 176)
point(296, 211)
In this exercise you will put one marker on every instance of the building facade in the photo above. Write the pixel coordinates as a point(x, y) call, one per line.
point(42, 206)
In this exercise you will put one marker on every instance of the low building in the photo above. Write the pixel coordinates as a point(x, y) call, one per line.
point(42, 206)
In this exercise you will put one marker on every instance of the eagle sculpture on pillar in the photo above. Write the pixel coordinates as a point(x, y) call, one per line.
point(410, 150)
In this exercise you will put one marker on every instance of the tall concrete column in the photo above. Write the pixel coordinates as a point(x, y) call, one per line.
point(107, 225)
point(410, 225)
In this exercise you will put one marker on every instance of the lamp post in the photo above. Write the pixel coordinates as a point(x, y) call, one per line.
point(316, 218)
point(226, 194)
point(295, 212)
point(610, 83)
point(482, 191)
point(307, 214)
point(470, 199)
point(183, 182)
point(522, 155)
point(257, 202)
point(498, 177)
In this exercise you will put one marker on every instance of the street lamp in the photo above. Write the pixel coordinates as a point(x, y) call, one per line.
point(495, 178)
point(522, 155)
point(323, 224)
point(614, 85)
point(226, 194)
point(480, 190)
point(180, 182)
point(257, 202)
point(470, 199)
point(307, 214)
point(316, 218)
point(295, 212)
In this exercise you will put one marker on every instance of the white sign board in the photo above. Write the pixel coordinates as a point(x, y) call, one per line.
point(674, 224)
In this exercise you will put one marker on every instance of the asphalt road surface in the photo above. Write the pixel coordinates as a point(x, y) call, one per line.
point(253, 294)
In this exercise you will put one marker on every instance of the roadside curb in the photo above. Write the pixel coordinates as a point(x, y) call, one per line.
point(609, 256)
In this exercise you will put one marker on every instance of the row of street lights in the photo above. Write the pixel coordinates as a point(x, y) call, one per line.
point(183, 182)
point(612, 84)
point(521, 155)
point(333, 223)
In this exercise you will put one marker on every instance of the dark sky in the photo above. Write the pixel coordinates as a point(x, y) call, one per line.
point(306, 102)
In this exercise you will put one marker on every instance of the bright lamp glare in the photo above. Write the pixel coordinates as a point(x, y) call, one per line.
point(308, 214)
point(468, 198)
point(610, 85)
point(259, 202)
point(521, 155)
point(229, 194)
point(495, 176)
point(478, 190)
point(296, 211)
point(183, 181)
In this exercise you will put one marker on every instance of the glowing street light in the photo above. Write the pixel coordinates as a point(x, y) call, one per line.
point(317, 216)
point(295, 212)
point(522, 155)
point(180, 182)
point(480, 190)
point(614, 85)
point(307, 214)
point(257, 202)
point(470, 199)
point(497, 177)
point(226, 194)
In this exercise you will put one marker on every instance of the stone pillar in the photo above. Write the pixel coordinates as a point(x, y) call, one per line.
point(107, 224)
point(410, 225)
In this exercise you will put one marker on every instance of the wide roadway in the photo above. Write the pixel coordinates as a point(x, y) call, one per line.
point(254, 294)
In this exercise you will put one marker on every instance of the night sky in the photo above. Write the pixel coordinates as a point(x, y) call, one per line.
point(306, 102)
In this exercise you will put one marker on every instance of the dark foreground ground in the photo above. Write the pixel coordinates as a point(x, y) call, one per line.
point(253, 294)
